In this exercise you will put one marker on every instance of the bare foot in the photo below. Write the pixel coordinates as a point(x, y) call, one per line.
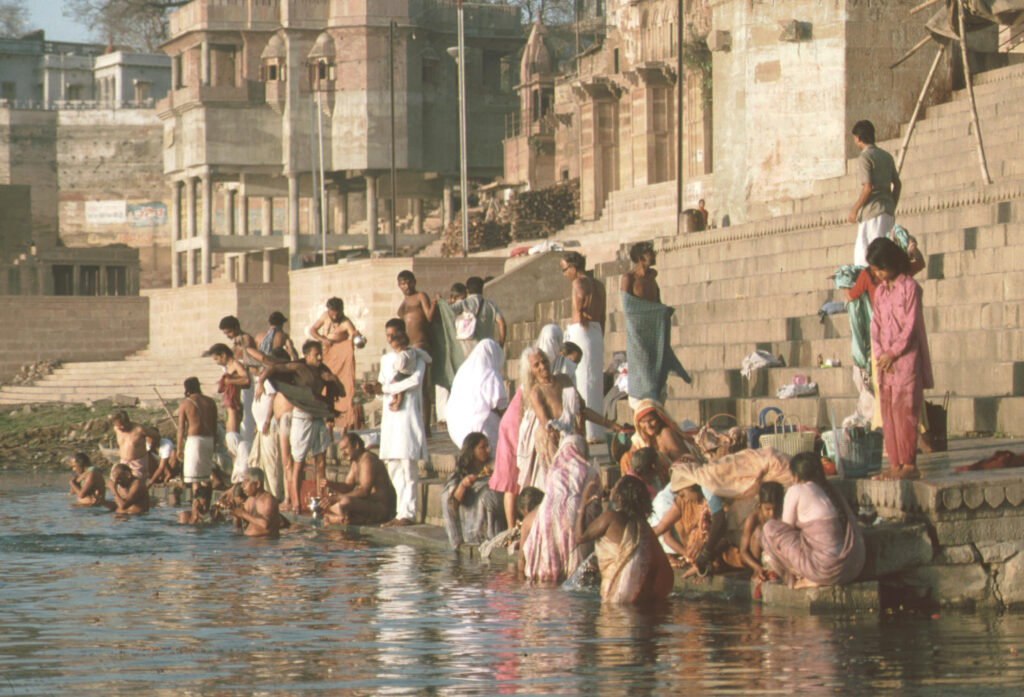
point(909, 472)
point(888, 475)
point(804, 583)
point(399, 523)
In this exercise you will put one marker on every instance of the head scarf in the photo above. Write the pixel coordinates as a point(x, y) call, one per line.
point(477, 390)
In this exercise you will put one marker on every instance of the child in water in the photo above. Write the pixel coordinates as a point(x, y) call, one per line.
point(770, 496)
point(900, 347)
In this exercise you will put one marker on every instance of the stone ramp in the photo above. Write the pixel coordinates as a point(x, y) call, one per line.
point(134, 377)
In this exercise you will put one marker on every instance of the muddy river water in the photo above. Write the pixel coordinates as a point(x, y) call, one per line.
point(94, 606)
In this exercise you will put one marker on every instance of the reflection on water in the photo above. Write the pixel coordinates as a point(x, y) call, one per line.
point(97, 606)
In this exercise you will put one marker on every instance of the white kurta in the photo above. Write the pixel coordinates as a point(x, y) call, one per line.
point(590, 371)
point(401, 432)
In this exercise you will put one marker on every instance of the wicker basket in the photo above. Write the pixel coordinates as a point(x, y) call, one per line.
point(860, 451)
point(789, 442)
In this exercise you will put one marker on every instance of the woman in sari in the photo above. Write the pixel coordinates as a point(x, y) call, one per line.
point(478, 395)
point(472, 511)
point(634, 568)
point(818, 541)
point(549, 550)
point(337, 335)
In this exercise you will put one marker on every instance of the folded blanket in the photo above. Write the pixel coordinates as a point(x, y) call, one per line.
point(649, 347)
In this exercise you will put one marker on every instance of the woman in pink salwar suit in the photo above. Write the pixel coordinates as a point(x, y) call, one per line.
point(900, 346)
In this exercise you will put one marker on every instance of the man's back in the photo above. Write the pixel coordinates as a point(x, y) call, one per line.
point(876, 166)
point(201, 413)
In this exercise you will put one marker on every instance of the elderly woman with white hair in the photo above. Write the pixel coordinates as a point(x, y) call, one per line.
point(478, 397)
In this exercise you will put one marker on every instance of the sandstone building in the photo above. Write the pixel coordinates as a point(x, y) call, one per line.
point(256, 83)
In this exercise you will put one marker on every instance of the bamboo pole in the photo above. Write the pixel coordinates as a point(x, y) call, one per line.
point(166, 409)
point(924, 5)
point(917, 108)
point(970, 94)
point(917, 47)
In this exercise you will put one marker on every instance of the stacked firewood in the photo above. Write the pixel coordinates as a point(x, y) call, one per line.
point(538, 214)
point(483, 234)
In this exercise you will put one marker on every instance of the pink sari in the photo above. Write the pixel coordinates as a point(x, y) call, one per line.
point(550, 551)
point(506, 471)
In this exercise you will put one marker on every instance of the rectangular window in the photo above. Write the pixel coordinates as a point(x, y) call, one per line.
point(615, 61)
point(117, 280)
point(8, 90)
point(63, 280)
point(13, 281)
point(89, 280)
point(141, 91)
point(429, 71)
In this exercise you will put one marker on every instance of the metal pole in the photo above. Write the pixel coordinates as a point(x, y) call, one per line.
point(394, 174)
point(323, 191)
point(463, 173)
point(680, 83)
point(314, 211)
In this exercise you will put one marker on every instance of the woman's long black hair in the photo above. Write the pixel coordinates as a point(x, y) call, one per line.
point(806, 467)
point(466, 463)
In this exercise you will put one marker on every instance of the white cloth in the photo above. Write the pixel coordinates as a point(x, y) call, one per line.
point(660, 505)
point(441, 402)
point(589, 373)
point(248, 422)
point(166, 448)
point(566, 421)
point(477, 391)
point(806, 502)
point(197, 460)
point(239, 449)
point(405, 477)
point(308, 435)
point(550, 342)
point(265, 455)
point(868, 230)
point(401, 432)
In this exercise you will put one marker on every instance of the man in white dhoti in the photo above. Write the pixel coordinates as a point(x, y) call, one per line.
point(875, 207)
point(197, 424)
point(403, 441)
point(587, 332)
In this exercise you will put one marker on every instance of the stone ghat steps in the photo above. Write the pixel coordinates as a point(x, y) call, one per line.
point(136, 376)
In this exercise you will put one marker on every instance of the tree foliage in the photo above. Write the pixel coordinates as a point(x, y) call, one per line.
point(550, 12)
point(138, 24)
point(13, 18)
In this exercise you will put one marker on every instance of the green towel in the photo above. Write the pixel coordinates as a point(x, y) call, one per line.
point(649, 347)
point(445, 348)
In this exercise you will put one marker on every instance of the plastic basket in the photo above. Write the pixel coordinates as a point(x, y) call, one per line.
point(860, 452)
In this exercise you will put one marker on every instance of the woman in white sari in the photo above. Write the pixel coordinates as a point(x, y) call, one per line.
point(478, 394)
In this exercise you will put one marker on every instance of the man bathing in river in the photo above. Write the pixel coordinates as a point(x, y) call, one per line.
point(235, 379)
point(131, 497)
point(587, 331)
point(87, 483)
point(640, 281)
point(259, 513)
point(197, 425)
point(131, 443)
point(366, 496)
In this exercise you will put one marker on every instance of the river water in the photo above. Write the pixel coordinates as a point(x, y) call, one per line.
point(90, 605)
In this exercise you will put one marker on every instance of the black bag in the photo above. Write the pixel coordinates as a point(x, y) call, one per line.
point(934, 439)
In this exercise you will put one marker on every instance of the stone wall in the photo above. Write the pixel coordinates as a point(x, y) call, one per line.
point(183, 321)
point(28, 155)
point(783, 109)
point(71, 329)
point(111, 185)
point(370, 292)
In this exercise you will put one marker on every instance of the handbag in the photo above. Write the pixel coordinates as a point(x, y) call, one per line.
point(465, 323)
point(935, 437)
point(789, 442)
point(754, 433)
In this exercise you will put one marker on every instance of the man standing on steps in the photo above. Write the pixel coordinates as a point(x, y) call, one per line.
point(587, 332)
point(875, 208)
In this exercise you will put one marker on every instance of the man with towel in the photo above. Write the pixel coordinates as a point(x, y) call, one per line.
point(587, 332)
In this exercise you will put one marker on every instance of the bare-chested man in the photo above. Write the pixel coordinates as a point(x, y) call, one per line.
point(417, 311)
point(246, 351)
point(549, 401)
point(366, 497)
point(309, 436)
point(587, 332)
point(234, 380)
point(259, 513)
point(131, 443)
point(87, 484)
point(640, 280)
point(131, 497)
point(275, 337)
point(197, 426)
